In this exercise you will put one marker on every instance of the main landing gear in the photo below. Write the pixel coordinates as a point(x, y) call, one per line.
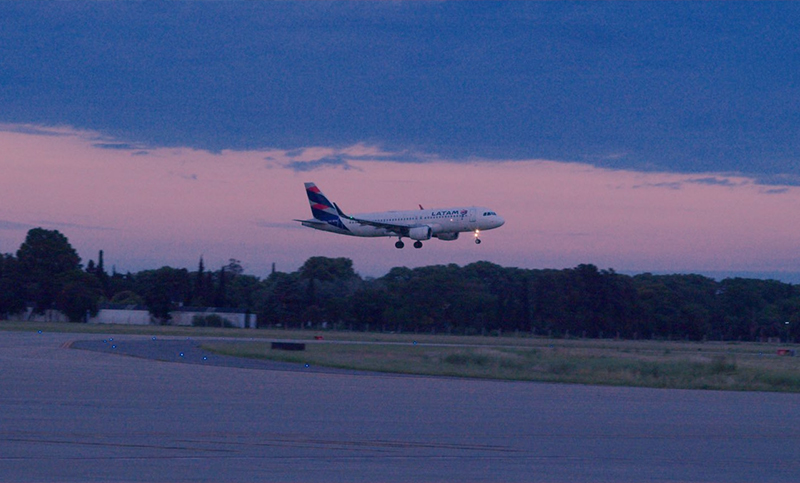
point(400, 244)
point(418, 244)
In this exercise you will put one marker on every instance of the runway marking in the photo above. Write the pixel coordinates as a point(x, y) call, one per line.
point(360, 444)
point(113, 445)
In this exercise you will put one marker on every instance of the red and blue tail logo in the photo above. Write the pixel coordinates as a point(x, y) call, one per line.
point(322, 208)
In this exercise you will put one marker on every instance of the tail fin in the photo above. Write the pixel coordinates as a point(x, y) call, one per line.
point(321, 206)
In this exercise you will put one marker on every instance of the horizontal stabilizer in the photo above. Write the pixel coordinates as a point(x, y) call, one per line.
point(312, 221)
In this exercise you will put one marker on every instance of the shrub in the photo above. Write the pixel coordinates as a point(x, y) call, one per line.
point(722, 365)
point(212, 320)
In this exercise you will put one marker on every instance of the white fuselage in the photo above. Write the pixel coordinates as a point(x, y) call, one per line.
point(444, 221)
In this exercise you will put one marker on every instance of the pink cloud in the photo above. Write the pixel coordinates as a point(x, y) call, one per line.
point(153, 207)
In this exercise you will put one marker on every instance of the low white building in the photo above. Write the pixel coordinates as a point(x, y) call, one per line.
point(138, 315)
point(123, 315)
point(47, 316)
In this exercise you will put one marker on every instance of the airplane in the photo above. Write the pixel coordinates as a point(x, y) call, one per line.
point(418, 225)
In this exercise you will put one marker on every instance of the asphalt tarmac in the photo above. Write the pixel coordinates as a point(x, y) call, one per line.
point(87, 408)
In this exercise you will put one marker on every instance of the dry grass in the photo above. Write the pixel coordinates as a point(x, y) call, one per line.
point(740, 367)
point(688, 365)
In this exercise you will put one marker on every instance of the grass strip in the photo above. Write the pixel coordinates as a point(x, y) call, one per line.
point(643, 363)
point(616, 366)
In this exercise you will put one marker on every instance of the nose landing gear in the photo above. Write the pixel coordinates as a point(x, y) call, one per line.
point(477, 234)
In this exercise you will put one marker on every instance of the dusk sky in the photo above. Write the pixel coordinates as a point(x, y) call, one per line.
point(644, 137)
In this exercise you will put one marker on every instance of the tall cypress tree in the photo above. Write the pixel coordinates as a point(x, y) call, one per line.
point(102, 276)
point(199, 284)
point(221, 297)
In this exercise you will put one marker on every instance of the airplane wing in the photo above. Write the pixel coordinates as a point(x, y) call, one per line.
point(400, 230)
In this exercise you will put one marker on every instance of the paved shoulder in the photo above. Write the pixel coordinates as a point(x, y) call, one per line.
point(190, 351)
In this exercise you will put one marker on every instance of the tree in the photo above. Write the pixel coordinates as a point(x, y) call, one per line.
point(220, 298)
point(327, 269)
point(327, 284)
point(282, 299)
point(102, 276)
point(79, 295)
point(234, 267)
point(45, 259)
point(676, 306)
point(121, 283)
point(127, 297)
point(98, 271)
point(242, 292)
point(12, 297)
point(202, 287)
point(368, 305)
point(163, 290)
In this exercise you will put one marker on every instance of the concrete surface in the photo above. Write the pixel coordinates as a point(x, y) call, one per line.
point(88, 415)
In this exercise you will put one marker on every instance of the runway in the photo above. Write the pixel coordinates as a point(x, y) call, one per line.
point(84, 415)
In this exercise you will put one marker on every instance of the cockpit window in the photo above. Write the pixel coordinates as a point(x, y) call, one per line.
point(490, 213)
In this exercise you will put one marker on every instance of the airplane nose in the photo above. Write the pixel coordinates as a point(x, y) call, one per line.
point(500, 221)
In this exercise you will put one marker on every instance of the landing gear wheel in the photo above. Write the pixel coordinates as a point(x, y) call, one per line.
point(477, 241)
point(417, 244)
point(399, 244)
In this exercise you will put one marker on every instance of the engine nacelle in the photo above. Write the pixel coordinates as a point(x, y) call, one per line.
point(449, 236)
point(420, 233)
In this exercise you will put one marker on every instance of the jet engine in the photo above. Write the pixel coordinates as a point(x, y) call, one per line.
point(420, 233)
point(449, 236)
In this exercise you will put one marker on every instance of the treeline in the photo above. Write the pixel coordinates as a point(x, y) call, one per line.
point(479, 298)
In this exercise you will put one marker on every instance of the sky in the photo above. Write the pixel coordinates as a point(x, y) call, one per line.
point(655, 137)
